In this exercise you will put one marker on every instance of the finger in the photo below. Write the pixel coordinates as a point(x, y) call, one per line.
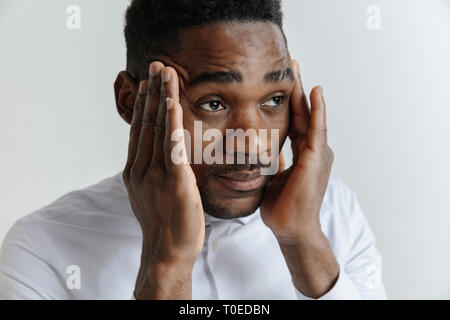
point(135, 128)
point(175, 154)
point(299, 104)
point(169, 88)
point(145, 146)
point(317, 132)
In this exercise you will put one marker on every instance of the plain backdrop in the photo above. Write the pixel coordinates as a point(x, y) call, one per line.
point(387, 92)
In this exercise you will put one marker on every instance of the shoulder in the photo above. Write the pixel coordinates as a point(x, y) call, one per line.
point(103, 206)
point(342, 218)
point(83, 227)
point(103, 195)
point(106, 197)
point(338, 194)
point(339, 202)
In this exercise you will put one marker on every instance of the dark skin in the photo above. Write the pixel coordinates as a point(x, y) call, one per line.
point(169, 199)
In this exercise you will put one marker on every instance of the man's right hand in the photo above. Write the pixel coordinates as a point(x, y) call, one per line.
point(163, 195)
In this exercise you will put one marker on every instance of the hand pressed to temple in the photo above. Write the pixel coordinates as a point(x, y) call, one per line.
point(163, 196)
point(293, 199)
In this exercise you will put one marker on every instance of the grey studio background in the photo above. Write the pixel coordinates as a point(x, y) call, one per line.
point(387, 91)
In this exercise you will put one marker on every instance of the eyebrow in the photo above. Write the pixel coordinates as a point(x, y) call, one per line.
point(225, 77)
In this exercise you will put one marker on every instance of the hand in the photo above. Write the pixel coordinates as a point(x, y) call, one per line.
point(163, 195)
point(293, 198)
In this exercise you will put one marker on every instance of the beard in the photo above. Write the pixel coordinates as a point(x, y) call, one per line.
point(220, 210)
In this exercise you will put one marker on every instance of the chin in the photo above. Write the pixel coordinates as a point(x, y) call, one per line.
point(223, 201)
point(231, 208)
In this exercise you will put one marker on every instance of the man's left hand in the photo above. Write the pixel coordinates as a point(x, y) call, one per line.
point(293, 198)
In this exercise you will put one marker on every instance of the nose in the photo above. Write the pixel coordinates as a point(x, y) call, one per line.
point(245, 138)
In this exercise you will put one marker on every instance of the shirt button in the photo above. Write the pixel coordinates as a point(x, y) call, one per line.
point(215, 247)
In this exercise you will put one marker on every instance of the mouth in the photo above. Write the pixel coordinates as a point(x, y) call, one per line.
point(243, 180)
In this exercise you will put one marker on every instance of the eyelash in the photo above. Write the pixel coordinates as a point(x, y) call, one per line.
point(282, 99)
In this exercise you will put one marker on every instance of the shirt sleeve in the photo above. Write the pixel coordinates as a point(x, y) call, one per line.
point(343, 289)
point(24, 275)
point(360, 267)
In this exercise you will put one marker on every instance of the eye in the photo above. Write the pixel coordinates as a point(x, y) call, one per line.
point(274, 101)
point(212, 106)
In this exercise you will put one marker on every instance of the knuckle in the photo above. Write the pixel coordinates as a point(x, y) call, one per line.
point(331, 154)
point(139, 105)
point(140, 99)
point(134, 176)
point(158, 128)
point(135, 128)
point(126, 175)
point(152, 177)
point(184, 175)
point(162, 94)
point(151, 89)
point(149, 120)
point(167, 147)
point(179, 191)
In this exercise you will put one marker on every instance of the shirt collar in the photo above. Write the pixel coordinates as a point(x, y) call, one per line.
point(210, 220)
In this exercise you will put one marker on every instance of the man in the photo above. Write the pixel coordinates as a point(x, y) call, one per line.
point(165, 229)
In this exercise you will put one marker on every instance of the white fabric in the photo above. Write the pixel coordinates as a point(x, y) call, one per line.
point(94, 229)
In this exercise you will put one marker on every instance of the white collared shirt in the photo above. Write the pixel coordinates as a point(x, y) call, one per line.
point(87, 245)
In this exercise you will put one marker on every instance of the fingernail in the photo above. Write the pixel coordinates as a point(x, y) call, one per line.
point(154, 69)
point(165, 75)
point(169, 103)
point(141, 87)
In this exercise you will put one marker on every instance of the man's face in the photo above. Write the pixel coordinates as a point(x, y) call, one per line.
point(246, 94)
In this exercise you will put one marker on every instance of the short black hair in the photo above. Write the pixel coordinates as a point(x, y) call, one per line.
point(152, 26)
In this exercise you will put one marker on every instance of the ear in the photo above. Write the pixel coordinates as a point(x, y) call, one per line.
point(125, 91)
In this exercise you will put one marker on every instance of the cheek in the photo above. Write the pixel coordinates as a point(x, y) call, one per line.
point(201, 170)
point(198, 126)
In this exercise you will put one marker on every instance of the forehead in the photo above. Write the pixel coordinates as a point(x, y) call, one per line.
point(250, 48)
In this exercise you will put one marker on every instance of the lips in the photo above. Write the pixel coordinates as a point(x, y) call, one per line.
point(242, 180)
